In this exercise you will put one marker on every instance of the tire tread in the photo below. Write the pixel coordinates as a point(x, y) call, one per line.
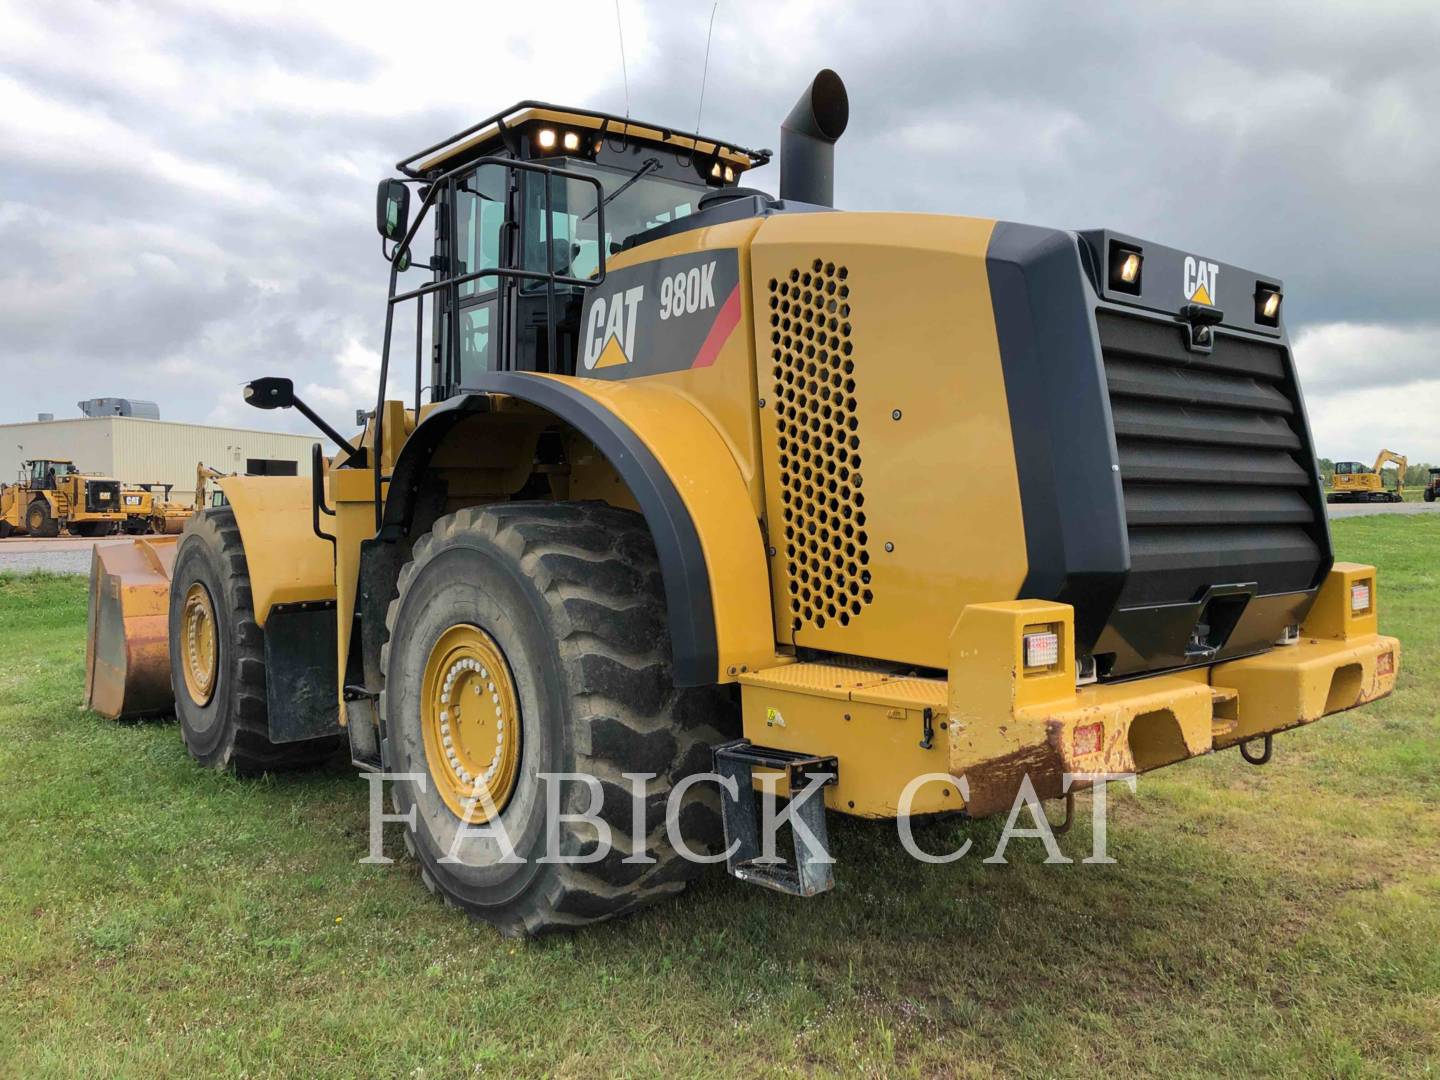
point(596, 568)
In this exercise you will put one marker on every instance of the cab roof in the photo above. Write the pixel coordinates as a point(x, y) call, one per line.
point(494, 131)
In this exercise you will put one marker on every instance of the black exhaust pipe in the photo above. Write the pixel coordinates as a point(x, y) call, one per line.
point(807, 141)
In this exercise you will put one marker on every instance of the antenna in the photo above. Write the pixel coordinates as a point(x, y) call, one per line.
point(705, 71)
point(624, 72)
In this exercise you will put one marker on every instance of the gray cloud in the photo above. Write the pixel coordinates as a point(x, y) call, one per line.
point(205, 216)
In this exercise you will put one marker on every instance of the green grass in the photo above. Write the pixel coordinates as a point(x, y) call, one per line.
point(160, 920)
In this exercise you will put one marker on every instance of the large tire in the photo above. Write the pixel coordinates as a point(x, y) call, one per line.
point(571, 596)
point(1429, 494)
point(5, 529)
point(226, 727)
point(39, 521)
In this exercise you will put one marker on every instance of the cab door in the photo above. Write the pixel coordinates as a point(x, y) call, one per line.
point(470, 232)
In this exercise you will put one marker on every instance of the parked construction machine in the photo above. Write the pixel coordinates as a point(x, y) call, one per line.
point(51, 494)
point(684, 486)
point(1354, 481)
point(149, 509)
point(206, 494)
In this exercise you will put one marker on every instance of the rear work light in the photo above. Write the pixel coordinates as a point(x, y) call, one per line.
point(1267, 304)
point(1360, 597)
point(1042, 649)
point(1127, 266)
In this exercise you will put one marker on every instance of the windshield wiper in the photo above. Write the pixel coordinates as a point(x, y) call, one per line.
point(649, 165)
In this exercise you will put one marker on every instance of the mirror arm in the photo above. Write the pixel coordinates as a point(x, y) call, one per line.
point(351, 450)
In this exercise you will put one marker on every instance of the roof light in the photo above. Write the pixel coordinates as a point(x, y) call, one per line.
point(729, 174)
point(1130, 268)
point(715, 170)
point(1042, 649)
point(546, 138)
point(572, 141)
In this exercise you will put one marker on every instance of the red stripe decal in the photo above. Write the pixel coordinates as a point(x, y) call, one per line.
point(725, 320)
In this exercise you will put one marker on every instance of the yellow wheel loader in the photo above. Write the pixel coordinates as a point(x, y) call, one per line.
point(1354, 481)
point(684, 506)
point(51, 495)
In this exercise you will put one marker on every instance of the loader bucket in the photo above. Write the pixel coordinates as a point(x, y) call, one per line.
point(127, 654)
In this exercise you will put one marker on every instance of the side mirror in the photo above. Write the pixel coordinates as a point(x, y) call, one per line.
point(272, 393)
point(277, 393)
point(392, 209)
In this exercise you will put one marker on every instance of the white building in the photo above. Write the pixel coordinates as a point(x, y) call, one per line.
point(136, 451)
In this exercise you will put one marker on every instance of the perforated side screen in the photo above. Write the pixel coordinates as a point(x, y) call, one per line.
point(819, 443)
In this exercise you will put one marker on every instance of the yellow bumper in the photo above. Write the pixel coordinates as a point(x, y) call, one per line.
point(1008, 721)
point(995, 722)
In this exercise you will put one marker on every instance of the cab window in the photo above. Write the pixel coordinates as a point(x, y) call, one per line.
point(633, 206)
point(479, 214)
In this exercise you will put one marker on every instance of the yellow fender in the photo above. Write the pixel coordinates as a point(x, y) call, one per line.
point(288, 563)
point(681, 475)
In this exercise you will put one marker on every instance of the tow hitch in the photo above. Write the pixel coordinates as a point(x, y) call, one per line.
point(748, 857)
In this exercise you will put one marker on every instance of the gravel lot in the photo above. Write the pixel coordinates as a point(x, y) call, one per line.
point(63, 555)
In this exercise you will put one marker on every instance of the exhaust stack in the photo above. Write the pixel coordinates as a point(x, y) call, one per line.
point(807, 141)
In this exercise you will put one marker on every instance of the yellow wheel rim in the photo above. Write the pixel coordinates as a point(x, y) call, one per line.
point(471, 721)
point(198, 639)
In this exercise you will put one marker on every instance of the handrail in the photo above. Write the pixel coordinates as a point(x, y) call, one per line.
point(317, 492)
point(758, 157)
point(453, 283)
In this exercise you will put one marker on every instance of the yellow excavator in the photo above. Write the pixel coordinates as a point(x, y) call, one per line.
point(205, 494)
point(681, 505)
point(1355, 482)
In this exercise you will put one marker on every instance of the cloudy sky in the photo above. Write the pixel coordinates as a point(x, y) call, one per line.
point(186, 189)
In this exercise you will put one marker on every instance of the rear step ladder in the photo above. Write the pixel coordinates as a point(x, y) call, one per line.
point(811, 871)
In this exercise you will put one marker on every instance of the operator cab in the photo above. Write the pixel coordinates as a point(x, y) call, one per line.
point(1351, 468)
point(45, 473)
point(527, 206)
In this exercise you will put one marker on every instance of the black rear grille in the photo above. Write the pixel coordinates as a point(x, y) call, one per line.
point(93, 500)
point(1215, 462)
